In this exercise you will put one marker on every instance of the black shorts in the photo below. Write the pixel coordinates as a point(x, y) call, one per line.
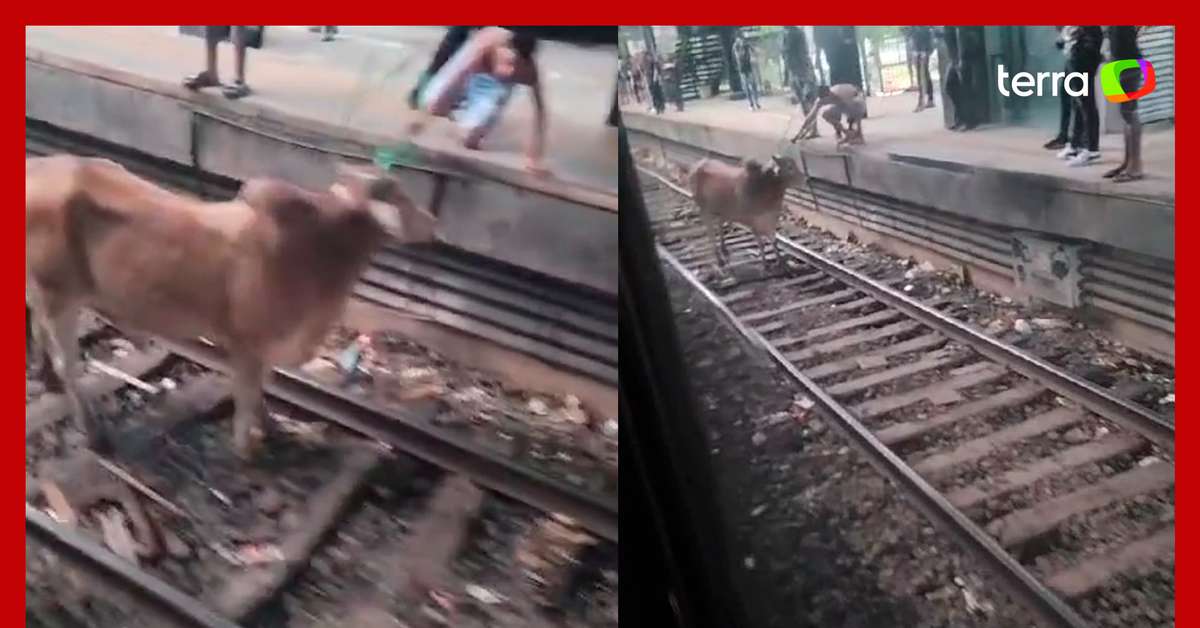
point(1131, 81)
point(219, 33)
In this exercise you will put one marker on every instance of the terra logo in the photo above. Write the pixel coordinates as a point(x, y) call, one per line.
point(1110, 79)
point(1078, 83)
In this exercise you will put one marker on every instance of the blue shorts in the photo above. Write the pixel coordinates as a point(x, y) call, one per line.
point(476, 105)
point(483, 102)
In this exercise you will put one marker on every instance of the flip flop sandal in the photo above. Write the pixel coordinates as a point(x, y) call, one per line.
point(236, 90)
point(1125, 177)
point(1114, 172)
point(200, 81)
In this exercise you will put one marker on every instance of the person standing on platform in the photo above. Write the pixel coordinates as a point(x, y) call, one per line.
point(1064, 100)
point(1123, 44)
point(743, 56)
point(799, 66)
point(964, 83)
point(921, 40)
point(671, 81)
point(1084, 56)
point(654, 83)
point(209, 77)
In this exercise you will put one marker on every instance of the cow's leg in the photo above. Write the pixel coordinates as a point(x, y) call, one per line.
point(724, 247)
point(44, 364)
point(61, 322)
point(248, 374)
point(762, 250)
point(36, 349)
point(711, 235)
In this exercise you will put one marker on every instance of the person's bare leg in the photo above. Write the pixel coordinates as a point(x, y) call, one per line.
point(920, 83)
point(1125, 158)
point(209, 76)
point(239, 87)
point(210, 58)
point(1135, 149)
point(833, 115)
point(1133, 170)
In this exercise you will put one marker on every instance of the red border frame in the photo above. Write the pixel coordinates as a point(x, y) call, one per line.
point(663, 12)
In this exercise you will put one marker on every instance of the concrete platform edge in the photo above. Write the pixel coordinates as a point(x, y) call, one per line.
point(344, 141)
point(1017, 200)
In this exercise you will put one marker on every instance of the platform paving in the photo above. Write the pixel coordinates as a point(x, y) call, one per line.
point(892, 128)
point(360, 82)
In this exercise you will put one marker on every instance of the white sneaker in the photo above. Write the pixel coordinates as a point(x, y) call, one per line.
point(1083, 158)
point(1067, 152)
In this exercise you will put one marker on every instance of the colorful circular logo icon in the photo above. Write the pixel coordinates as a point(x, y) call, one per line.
point(1110, 79)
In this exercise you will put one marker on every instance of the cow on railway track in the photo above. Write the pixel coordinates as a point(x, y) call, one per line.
point(264, 275)
point(748, 194)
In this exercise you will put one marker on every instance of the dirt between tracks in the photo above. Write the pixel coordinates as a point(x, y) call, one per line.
point(376, 571)
point(822, 540)
point(556, 435)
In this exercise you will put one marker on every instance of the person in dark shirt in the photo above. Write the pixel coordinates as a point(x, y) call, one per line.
point(1064, 99)
point(799, 66)
point(1084, 56)
point(964, 79)
point(1123, 44)
point(921, 39)
point(743, 55)
point(654, 83)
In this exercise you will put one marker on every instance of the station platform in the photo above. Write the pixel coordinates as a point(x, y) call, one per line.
point(993, 175)
point(360, 82)
point(315, 103)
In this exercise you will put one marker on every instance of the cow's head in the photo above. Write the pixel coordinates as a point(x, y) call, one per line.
point(372, 194)
point(784, 168)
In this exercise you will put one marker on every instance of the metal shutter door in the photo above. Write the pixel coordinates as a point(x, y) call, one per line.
point(1158, 45)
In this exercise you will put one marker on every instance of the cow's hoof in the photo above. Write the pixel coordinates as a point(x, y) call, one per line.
point(100, 442)
point(247, 447)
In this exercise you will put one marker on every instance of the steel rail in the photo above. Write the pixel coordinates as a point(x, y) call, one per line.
point(1035, 596)
point(927, 499)
point(128, 576)
point(1095, 398)
point(490, 470)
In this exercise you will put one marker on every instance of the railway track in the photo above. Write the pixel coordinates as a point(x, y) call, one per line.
point(568, 326)
point(1131, 295)
point(1059, 486)
point(216, 542)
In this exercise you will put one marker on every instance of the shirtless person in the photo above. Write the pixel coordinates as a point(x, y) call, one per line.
point(1123, 44)
point(834, 103)
point(474, 86)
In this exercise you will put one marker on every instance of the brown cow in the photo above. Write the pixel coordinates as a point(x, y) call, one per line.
point(749, 195)
point(263, 275)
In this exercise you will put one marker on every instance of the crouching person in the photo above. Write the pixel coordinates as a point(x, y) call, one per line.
point(474, 87)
